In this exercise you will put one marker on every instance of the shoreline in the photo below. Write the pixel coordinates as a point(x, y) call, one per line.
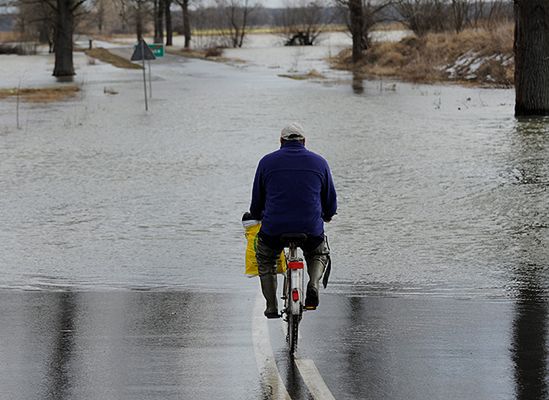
point(472, 58)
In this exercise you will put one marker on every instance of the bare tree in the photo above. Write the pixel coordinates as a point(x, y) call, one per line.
point(36, 21)
point(303, 21)
point(135, 12)
point(169, 26)
point(531, 55)
point(362, 15)
point(100, 14)
point(477, 12)
point(158, 6)
point(356, 26)
point(236, 14)
point(490, 13)
point(422, 16)
point(459, 13)
point(65, 11)
point(186, 21)
point(59, 16)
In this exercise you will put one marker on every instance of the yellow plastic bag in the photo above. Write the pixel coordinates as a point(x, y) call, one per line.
point(251, 230)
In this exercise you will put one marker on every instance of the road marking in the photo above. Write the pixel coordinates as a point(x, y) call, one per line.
point(267, 366)
point(264, 356)
point(312, 378)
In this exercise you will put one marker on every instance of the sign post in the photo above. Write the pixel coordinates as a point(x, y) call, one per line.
point(142, 52)
point(150, 80)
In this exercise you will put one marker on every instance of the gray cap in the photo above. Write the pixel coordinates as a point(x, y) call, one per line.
point(293, 131)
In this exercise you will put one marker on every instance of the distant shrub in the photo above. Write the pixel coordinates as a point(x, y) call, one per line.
point(214, 52)
point(22, 49)
point(8, 49)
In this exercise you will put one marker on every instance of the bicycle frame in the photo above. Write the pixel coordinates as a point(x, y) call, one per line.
point(293, 294)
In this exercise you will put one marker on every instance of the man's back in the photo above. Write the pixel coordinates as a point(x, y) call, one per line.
point(293, 191)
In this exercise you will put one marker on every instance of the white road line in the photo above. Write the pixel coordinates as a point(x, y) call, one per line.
point(264, 356)
point(312, 378)
point(307, 368)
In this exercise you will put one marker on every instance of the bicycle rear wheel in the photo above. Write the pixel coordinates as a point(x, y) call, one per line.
point(292, 335)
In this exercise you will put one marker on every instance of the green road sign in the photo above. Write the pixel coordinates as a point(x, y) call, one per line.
point(157, 49)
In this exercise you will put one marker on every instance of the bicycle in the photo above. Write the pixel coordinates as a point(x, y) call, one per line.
point(293, 294)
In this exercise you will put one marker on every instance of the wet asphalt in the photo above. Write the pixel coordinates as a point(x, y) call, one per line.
point(199, 345)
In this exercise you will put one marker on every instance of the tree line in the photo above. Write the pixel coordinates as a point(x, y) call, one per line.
point(300, 21)
point(54, 22)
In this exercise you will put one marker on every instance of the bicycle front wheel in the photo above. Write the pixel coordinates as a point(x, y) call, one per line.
point(292, 336)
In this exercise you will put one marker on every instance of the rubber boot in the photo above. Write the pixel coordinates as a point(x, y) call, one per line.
point(268, 287)
point(315, 269)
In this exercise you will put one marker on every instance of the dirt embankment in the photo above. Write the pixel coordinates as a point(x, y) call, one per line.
point(482, 57)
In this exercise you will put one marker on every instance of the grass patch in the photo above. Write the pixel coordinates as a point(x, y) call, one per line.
point(41, 95)
point(312, 74)
point(474, 56)
point(212, 54)
point(106, 56)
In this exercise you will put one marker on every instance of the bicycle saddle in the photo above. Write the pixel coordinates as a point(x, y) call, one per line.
point(296, 238)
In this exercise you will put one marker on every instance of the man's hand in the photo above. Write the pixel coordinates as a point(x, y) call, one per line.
point(247, 216)
point(327, 219)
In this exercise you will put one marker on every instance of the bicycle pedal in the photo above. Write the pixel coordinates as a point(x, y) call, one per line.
point(310, 308)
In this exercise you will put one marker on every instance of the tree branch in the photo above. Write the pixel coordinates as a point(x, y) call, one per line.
point(78, 4)
point(47, 2)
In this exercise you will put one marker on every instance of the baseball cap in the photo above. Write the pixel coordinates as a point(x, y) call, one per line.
point(293, 131)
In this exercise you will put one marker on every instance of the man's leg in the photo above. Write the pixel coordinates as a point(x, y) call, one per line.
point(266, 259)
point(317, 259)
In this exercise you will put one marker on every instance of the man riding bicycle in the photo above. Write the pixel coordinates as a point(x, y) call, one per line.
point(293, 192)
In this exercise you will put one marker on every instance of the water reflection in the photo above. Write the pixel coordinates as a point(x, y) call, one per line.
point(295, 385)
point(357, 83)
point(357, 360)
point(65, 79)
point(125, 345)
point(58, 374)
point(529, 338)
point(528, 203)
point(529, 348)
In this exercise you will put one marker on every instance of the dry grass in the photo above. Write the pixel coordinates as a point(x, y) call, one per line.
point(106, 56)
point(432, 57)
point(312, 74)
point(41, 95)
point(212, 54)
point(389, 26)
point(9, 37)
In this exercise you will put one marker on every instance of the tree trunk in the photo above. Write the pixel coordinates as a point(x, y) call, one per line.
point(357, 28)
point(531, 57)
point(186, 23)
point(169, 27)
point(245, 12)
point(139, 22)
point(155, 19)
point(63, 39)
point(159, 19)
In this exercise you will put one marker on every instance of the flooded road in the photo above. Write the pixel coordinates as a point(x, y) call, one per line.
point(121, 248)
point(187, 344)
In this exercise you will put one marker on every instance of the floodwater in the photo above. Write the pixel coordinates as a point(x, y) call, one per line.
point(441, 189)
point(121, 248)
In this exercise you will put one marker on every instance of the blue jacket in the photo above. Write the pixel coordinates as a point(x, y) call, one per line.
point(293, 192)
